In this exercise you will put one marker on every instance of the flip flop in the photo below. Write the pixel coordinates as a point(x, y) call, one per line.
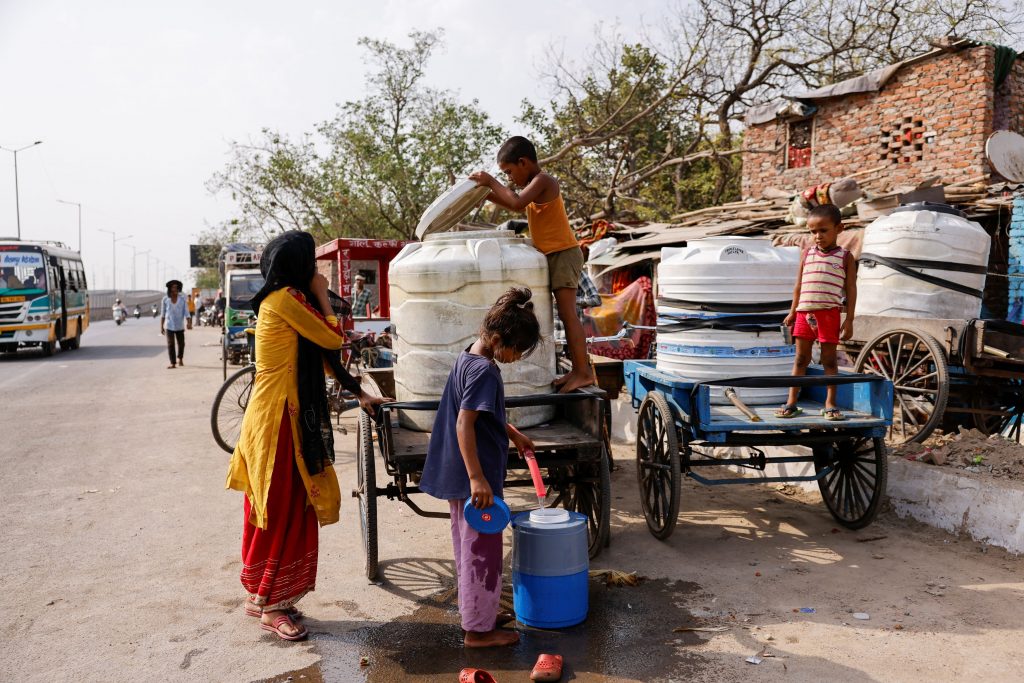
point(789, 410)
point(475, 676)
point(832, 414)
point(254, 611)
point(547, 668)
point(276, 628)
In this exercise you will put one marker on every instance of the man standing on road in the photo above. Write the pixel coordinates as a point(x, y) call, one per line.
point(362, 299)
point(173, 320)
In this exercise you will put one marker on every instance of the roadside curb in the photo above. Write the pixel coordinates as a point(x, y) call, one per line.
point(987, 510)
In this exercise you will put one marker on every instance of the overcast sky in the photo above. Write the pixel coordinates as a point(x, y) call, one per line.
point(136, 101)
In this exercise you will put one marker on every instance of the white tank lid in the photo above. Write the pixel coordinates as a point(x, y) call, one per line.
point(549, 516)
point(451, 207)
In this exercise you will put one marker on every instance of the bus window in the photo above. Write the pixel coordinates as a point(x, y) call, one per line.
point(17, 269)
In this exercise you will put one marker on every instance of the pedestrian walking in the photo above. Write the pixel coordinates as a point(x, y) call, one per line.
point(173, 321)
point(284, 461)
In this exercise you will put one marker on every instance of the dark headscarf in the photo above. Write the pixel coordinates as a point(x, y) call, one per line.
point(290, 261)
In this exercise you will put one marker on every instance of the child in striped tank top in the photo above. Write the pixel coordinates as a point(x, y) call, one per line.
point(827, 279)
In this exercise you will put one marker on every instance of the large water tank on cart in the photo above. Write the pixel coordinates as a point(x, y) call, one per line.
point(441, 289)
point(923, 261)
point(725, 281)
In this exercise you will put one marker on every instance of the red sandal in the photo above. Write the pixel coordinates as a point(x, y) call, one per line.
point(276, 628)
point(475, 676)
point(547, 668)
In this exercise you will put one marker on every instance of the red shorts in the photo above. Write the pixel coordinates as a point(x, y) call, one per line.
point(822, 325)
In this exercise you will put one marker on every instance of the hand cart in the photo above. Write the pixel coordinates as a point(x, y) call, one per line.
point(678, 427)
point(572, 450)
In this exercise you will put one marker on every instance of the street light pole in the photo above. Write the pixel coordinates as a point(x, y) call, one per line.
point(17, 201)
point(135, 256)
point(62, 201)
point(147, 266)
point(113, 248)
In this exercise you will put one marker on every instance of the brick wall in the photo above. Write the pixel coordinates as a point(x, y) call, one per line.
point(949, 94)
point(1009, 104)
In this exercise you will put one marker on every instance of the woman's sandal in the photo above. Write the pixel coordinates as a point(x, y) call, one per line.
point(252, 610)
point(547, 668)
point(275, 627)
point(832, 414)
point(789, 410)
point(475, 676)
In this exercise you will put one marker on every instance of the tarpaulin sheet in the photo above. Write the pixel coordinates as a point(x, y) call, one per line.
point(635, 305)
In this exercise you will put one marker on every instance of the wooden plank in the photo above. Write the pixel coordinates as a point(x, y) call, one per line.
point(731, 419)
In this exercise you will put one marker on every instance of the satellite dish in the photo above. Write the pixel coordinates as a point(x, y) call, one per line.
point(451, 207)
point(1005, 151)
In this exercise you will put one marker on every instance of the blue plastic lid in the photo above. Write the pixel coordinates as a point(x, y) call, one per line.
point(490, 520)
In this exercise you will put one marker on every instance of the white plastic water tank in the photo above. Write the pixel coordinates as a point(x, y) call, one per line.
point(717, 279)
point(916, 236)
point(441, 289)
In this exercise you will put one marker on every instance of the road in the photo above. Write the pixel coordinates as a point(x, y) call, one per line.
point(119, 560)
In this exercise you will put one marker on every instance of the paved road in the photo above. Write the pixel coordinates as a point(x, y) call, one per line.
point(119, 560)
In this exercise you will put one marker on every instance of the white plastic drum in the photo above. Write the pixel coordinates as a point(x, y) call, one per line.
point(441, 289)
point(734, 273)
point(919, 237)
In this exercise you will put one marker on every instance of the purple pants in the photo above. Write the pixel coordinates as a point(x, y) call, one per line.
point(477, 571)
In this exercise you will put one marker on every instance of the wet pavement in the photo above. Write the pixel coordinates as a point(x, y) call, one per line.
point(627, 637)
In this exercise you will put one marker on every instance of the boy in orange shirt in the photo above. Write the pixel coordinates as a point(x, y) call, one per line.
point(541, 199)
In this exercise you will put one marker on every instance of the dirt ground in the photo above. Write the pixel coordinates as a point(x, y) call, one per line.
point(119, 560)
point(969, 450)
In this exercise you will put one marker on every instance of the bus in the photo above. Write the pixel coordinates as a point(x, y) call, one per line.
point(44, 296)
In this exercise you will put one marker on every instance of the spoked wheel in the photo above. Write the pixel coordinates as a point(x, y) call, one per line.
point(229, 408)
point(224, 354)
point(999, 408)
point(854, 486)
point(586, 487)
point(366, 479)
point(657, 464)
point(916, 365)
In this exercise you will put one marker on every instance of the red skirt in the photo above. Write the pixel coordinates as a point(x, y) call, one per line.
point(279, 562)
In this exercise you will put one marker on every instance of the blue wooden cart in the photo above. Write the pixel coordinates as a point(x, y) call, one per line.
point(676, 415)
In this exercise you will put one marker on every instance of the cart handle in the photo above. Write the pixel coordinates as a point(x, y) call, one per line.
point(510, 402)
point(790, 381)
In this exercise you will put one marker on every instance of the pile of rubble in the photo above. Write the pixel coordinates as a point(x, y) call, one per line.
point(971, 451)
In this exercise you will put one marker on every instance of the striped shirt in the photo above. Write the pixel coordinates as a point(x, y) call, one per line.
point(823, 284)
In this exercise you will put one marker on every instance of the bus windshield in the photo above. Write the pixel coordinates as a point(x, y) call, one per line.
point(243, 288)
point(22, 272)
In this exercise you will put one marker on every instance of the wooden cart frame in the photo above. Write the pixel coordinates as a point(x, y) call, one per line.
point(572, 451)
point(942, 367)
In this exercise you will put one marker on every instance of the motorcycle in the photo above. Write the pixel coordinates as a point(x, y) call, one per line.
point(137, 312)
point(119, 315)
point(153, 307)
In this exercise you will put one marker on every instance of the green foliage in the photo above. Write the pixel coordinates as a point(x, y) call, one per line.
point(374, 168)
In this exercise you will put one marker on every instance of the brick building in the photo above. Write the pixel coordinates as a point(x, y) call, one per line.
point(928, 116)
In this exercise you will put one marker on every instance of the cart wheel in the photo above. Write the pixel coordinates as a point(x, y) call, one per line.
point(657, 464)
point(916, 365)
point(1001, 407)
point(367, 481)
point(229, 408)
point(854, 487)
point(588, 490)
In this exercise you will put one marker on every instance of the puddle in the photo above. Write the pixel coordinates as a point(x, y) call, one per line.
point(627, 636)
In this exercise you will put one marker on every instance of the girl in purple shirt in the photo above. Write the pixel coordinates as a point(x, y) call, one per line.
point(468, 453)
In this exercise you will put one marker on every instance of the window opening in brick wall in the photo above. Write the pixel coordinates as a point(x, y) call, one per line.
point(903, 141)
point(798, 151)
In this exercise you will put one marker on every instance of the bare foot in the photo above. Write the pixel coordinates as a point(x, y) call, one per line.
point(170, 367)
point(575, 380)
point(181, 362)
point(495, 638)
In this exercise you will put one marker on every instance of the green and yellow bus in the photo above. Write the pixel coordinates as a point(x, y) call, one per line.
point(44, 297)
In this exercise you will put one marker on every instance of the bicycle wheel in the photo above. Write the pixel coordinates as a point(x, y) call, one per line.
point(229, 408)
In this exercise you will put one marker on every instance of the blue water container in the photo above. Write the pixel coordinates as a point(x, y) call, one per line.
point(549, 568)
